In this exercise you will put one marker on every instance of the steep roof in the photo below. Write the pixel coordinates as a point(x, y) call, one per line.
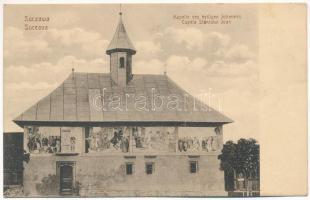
point(120, 41)
point(76, 101)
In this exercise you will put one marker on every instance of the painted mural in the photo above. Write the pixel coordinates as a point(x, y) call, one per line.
point(107, 139)
point(154, 139)
point(123, 140)
point(194, 144)
point(131, 139)
point(198, 140)
point(71, 140)
point(44, 140)
point(49, 140)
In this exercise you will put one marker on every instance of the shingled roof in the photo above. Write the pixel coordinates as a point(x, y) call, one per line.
point(120, 40)
point(72, 103)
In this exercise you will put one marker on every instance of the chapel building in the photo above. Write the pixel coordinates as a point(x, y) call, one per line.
point(122, 134)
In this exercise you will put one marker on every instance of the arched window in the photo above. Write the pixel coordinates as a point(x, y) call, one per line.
point(121, 62)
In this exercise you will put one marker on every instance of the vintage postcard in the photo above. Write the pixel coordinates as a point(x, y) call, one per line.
point(154, 100)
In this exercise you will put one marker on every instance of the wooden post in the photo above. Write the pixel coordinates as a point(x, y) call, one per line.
point(219, 135)
point(26, 139)
point(129, 129)
point(176, 130)
point(85, 139)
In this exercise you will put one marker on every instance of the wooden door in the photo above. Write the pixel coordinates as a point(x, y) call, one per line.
point(66, 179)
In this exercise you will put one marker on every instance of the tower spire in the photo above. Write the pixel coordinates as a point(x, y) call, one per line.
point(121, 51)
point(120, 10)
point(120, 40)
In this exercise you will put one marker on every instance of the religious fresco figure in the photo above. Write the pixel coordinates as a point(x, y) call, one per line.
point(72, 144)
point(138, 138)
point(58, 146)
point(196, 144)
point(209, 143)
point(124, 144)
point(214, 144)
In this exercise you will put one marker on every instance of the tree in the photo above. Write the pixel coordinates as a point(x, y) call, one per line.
point(229, 164)
point(240, 158)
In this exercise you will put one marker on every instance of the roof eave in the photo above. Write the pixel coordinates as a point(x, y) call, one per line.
point(120, 123)
point(19, 123)
point(112, 50)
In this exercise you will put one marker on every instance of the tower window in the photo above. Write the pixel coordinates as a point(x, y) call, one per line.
point(129, 168)
point(149, 168)
point(121, 62)
point(193, 166)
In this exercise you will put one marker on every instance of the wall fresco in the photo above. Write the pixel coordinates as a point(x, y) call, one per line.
point(47, 140)
point(107, 139)
point(71, 140)
point(194, 144)
point(198, 140)
point(154, 139)
point(43, 140)
point(131, 139)
point(123, 140)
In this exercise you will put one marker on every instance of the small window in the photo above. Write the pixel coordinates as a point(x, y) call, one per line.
point(87, 140)
point(121, 62)
point(129, 168)
point(193, 166)
point(149, 168)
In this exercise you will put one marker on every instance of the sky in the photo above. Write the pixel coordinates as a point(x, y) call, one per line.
point(201, 58)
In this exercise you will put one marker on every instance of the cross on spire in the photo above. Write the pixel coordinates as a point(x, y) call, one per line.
point(120, 10)
point(120, 41)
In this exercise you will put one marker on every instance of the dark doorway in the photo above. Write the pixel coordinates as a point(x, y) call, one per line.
point(66, 174)
point(13, 152)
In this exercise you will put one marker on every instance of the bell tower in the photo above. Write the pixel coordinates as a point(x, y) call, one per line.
point(120, 51)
